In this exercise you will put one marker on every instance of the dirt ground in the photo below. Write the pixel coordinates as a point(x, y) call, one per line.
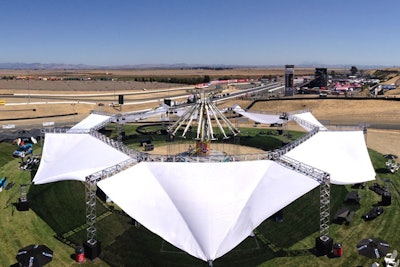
point(236, 72)
point(382, 117)
point(228, 149)
point(384, 141)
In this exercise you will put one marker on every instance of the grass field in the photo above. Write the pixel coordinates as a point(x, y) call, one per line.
point(57, 219)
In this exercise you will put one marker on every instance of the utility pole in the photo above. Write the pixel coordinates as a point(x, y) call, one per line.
point(29, 91)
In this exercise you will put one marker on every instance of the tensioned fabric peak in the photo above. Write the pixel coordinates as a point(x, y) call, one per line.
point(205, 209)
point(69, 156)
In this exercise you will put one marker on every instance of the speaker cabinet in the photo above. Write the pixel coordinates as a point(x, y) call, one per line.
point(92, 251)
point(121, 99)
point(324, 245)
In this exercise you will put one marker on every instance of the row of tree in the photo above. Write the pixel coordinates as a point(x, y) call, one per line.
point(179, 79)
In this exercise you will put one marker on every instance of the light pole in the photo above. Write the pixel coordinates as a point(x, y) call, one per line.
point(29, 91)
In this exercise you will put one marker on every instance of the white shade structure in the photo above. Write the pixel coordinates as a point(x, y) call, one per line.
point(71, 156)
point(258, 117)
point(305, 119)
point(343, 154)
point(309, 118)
point(141, 115)
point(89, 122)
point(205, 209)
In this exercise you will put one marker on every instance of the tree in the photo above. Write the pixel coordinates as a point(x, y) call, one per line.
point(353, 70)
point(206, 79)
point(333, 74)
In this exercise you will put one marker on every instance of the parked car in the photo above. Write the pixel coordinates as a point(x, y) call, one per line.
point(23, 150)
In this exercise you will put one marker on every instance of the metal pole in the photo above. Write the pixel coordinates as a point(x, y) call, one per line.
point(29, 91)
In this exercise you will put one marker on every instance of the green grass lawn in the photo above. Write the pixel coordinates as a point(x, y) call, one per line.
point(58, 213)
point(262, 138)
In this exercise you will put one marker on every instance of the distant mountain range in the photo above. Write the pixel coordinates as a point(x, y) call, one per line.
point(61, 66)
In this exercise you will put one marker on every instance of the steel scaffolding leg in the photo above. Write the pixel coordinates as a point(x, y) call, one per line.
point(325, 187)
point(325, 195)
point(92, 244)
point(119, 128)
point(90, 190)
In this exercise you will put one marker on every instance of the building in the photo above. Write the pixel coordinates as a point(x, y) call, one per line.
point(289, 80)
point(321, 78)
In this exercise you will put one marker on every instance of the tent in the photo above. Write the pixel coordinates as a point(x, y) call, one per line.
point(304, 119)
point(71, 156)
point(144, 114)
point(343, 154)
point(309, 120)
point(90, 122)
point(205, 209)
point(258, 117)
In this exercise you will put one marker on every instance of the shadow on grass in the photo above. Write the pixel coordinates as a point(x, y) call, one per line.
point(137, 246)
point(300, 219)
point(297, 252)
point(124, 244)
point(62, 206)
point(382, 171)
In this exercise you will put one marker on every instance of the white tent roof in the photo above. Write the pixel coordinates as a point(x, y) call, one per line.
point(89, 122)
point(258, 117)
point(309, 118)
point(73, 157)
point(141, 115)
point(306, 117)
point(343, 154)
point(206, 209)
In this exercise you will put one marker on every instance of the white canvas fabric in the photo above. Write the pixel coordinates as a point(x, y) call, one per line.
point(70, 156)
point(343, 154)
point(308, 117)
point(258, 117)
point(205, 209)
point(89, 122)
point(141, 115)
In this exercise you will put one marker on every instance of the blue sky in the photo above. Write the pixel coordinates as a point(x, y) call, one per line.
point(251, 32)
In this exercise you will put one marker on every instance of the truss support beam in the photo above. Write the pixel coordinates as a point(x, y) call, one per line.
point(324, 208)
point(90, 191)
point(325, 189)
point(119, 128)
point(320, 176)
point(277, 155)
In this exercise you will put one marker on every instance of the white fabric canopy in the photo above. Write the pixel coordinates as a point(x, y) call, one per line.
point(205, 209)
point(73, 157)
point(141, 115)
point(89, 122)
point(258, 117)
point(306, 119)
point(343, 154)
point(309, 118)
